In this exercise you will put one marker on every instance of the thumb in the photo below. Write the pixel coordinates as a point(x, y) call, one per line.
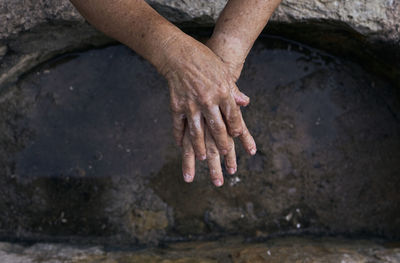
point(240, 98)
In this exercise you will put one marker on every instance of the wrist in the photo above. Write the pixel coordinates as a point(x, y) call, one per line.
point(230, 49)
point(174, 50)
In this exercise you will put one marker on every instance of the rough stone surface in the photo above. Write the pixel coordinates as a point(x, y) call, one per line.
point(376, 19)
point(379, 19)
point(287, 250)
point(33, 31)
point(86, 151)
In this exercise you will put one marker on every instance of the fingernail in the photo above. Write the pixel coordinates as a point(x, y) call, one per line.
point(224, 152)
point(244, 97)
point(202, 158)
point(236, 134)
point(217, 182)
point(231, 170)
point(253, 151)
point(187, 178)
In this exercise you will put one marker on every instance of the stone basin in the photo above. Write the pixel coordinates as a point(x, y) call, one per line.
point(236, 250)
point(87, 155)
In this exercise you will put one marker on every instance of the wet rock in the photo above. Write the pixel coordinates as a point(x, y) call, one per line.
point(86, 152)
point(285, 250)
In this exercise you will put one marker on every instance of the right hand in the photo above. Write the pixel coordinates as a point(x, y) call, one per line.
point(201, 87)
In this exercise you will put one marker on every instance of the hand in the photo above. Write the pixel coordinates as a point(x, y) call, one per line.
point(201, 87)
point(213, 156)
point(213, 159)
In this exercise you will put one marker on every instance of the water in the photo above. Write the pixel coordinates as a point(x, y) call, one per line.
point(86, 151)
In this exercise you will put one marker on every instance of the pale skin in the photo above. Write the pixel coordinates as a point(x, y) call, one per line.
point(201, 78)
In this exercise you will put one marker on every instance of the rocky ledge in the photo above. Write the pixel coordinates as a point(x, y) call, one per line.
point(376, 19)
point(34, 31)
point(287, 250)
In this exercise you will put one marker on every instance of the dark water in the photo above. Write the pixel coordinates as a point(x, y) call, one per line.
point(86, 149)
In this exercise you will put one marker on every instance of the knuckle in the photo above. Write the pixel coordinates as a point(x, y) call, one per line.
point(236, 131)
point(212, 152)
point(224, 148)
point(224, 92)
point(228, 147)
point(198, 148)
point(206, 101)
point(233, 117)
point(195, 134)
point(218, 128)
point(175, 107)
point(230, 162)
point(187, 154)
point(214, 174)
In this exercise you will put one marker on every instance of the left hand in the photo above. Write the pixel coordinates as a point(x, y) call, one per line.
point(212, 153)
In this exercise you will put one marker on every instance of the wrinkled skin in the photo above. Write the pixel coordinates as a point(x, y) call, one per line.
point(202, 87)
point(213, 156)
point(204, 99)
point(237, 27)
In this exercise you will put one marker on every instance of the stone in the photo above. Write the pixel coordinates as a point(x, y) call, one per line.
point(3, 51)
point(376, 19)
point(46, 28)
point(284, 250)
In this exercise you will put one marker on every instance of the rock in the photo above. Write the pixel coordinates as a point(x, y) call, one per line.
point(86, 152)
point(3, 51)
point(46, 28)
point(22, 16)
point(376, 19)
point(285, 250)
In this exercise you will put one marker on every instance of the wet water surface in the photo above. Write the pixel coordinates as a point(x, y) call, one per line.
point(86, 150)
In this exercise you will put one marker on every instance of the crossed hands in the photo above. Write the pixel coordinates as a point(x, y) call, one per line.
point(205, 104)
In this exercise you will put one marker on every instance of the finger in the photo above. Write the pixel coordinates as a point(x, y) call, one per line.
point(230, 159)
point(178, 123)
point(217, 128)
point(188, 158)
point(213, 160)
point(247, 140)
point(178, 118)
point(231, 113)
point(196, 131)
point(240, 98)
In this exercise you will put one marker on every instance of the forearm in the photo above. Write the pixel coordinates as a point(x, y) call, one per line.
point(238, 26)
point(133, 23)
